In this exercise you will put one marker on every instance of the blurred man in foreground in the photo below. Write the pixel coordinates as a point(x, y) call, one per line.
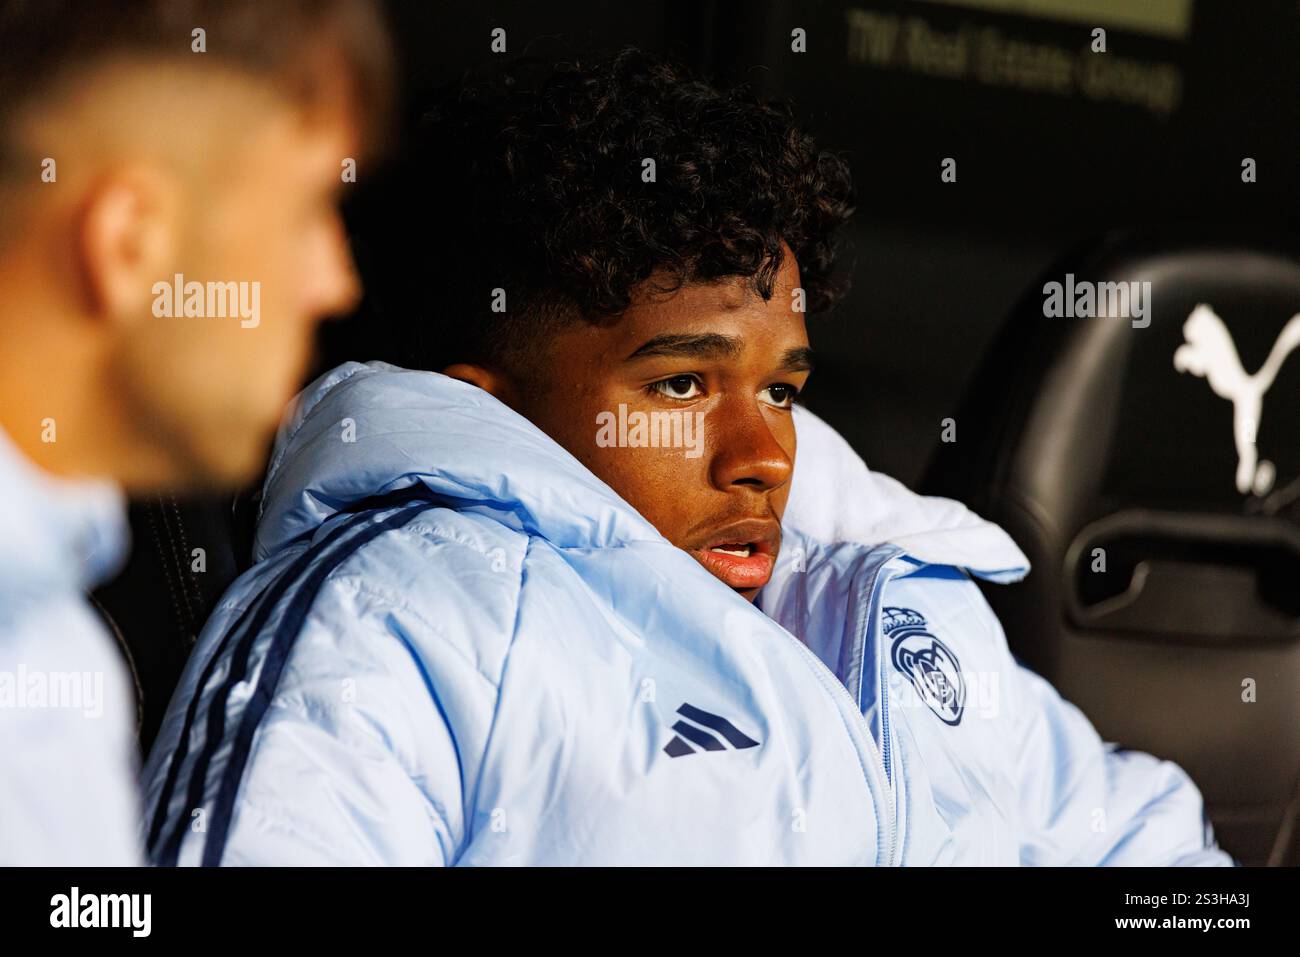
point(169, 241)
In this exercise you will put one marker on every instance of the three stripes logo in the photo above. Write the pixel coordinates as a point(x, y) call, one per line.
point(692, 730)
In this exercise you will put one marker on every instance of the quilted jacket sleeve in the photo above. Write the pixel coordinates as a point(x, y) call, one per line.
point(365, 746)
point(1088, 802)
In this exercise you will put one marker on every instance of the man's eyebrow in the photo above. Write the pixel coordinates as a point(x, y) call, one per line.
point(708, 345)
point(802, 359)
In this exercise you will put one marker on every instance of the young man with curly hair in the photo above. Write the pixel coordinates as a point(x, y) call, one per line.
point(566, 598)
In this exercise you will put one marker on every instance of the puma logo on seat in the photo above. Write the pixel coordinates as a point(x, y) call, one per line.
point(1210, 352)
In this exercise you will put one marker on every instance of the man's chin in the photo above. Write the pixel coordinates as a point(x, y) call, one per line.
point(224, 467)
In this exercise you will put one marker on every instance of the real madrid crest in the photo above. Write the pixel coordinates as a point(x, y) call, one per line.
point(930, 665)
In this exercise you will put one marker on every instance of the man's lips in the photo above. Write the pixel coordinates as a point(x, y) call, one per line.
point(742, 554)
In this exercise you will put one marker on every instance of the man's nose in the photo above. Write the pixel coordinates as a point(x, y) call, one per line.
point(746, 451)
point(337, 286)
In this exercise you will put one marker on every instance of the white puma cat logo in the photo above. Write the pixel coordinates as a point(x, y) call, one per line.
point(1211, 353)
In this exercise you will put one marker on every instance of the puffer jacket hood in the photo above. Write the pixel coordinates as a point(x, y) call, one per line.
point(365, 430)
point(362, 430)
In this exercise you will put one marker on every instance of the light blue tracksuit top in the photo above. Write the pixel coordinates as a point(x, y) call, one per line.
point(458, 646)
point(69, 758)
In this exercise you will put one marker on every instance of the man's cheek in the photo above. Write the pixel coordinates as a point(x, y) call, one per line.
point(644, 479)
point(778, 499)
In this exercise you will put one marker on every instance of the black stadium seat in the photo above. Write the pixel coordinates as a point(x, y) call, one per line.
point(1164, 599)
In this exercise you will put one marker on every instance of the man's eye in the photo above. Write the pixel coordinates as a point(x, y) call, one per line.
point(780, 395)
point(678, 387)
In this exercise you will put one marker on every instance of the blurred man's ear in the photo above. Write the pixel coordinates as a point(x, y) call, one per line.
point(128, 240)
point(498, 384)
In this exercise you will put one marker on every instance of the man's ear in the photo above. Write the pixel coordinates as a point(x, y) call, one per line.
point(128, 239)
point(497, 383)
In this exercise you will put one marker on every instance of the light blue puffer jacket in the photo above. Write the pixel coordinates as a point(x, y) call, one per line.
point(459, 646)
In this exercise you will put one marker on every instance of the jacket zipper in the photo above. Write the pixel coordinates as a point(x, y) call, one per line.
point(886, 728)
point(880, 765)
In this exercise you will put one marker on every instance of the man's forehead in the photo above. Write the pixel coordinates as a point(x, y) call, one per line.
point(291, 145)
point(794, 354)
point(722, 319)
point(734, 301)
point(711, 324)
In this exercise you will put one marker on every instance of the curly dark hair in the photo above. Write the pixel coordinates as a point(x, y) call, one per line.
point(531, 180)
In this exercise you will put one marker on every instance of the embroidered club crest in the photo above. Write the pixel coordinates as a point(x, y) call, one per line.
point(927, 662)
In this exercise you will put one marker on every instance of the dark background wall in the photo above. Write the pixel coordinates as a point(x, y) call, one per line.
point(1055, 146)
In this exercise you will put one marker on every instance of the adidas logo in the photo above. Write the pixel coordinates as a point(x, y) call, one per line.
point(690, 731)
